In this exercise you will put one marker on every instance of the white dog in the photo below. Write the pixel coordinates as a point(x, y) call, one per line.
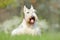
point(29, 24)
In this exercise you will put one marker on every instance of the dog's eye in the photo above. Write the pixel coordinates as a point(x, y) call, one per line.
point(27, 12)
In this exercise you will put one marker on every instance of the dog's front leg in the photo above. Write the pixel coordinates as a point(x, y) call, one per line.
point(18, 31)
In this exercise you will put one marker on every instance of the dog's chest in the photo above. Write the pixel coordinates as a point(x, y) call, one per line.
point(29, 29)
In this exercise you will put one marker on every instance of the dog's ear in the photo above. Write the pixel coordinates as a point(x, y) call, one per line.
point(32, 7)
point(25, 8)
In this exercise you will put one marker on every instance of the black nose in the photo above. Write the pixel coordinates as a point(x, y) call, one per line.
point(32, 16)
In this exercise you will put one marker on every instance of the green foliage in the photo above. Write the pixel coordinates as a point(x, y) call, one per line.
point(4, 3)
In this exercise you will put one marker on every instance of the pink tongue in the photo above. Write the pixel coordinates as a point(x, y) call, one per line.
point(32, 21)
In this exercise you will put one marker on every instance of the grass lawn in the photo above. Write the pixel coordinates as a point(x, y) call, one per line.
point(44, 36)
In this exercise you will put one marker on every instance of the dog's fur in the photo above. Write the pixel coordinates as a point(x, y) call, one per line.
point(29, 23)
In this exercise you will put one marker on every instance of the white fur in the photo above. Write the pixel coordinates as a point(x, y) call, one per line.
point(23, 27)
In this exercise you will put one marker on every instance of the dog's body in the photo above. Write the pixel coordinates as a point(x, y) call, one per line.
point(29, 24)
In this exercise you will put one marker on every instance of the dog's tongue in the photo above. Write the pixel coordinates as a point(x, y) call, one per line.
point(32, 21)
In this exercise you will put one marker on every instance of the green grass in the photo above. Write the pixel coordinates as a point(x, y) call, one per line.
point(44, 36)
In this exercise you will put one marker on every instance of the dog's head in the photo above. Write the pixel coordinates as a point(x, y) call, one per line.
point(30, 15)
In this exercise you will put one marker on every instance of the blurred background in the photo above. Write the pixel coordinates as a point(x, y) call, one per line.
point(48, 11)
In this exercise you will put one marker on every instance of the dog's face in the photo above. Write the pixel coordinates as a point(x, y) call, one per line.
point(30, 15)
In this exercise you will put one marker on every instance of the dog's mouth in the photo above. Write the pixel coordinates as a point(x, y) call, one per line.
point(32, 20)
